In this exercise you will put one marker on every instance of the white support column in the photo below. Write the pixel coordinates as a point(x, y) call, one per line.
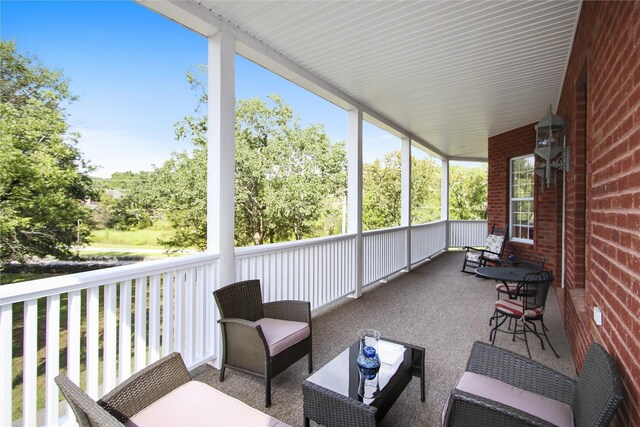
point(444, 198)
point(405, 210)
point(221, 153)
point(221, 160)
point(354, 169)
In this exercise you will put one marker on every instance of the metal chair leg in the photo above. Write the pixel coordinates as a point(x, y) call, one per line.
point(547, 337)
point(524, 332)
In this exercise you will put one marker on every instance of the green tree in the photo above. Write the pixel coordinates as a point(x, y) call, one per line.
point(425, 190)
point(43, 177)
point(381, 196)
point(285, 173)
point(382, 191)
point(467, 193)
point(138, 207)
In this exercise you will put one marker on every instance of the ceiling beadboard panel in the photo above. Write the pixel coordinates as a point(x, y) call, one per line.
point(450, 72)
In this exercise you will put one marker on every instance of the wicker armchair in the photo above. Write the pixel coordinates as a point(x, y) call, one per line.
point(162, 394)
point(591, 400)
point(492, 252)
point(127, 399)
point(262, 339)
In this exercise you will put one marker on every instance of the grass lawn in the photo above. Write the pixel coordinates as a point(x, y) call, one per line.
point(133, 243)
point(147, 238)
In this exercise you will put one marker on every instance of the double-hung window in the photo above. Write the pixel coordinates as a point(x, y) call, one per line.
point(521, 199)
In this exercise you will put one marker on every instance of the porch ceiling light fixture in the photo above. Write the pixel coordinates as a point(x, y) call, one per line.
point(551, 147)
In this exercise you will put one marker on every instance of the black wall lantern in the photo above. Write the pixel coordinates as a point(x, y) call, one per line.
point(550, 147)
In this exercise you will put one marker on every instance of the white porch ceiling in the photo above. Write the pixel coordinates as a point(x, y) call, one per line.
point(448, 74)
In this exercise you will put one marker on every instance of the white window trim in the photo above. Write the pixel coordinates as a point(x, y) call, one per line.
point(511, 200)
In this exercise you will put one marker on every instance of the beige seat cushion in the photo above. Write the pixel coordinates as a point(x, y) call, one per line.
point(553, 411)
point(196, 404)
point(282, 334)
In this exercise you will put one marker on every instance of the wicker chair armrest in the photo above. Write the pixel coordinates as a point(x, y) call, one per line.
point(146, 386)
point(245, 346)
point(520, 371)
point(87, 411)
point(466, 409)
point(471, 248)
point(299, 311)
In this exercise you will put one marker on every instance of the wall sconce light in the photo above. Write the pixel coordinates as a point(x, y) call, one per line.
point(550, 147)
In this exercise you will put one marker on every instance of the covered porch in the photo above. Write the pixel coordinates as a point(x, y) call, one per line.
point(459, 80)
point(434, 306)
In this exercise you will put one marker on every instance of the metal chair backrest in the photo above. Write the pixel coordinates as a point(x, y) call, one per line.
point(598, 389)
point(240, 300)
point(535, 288)
point(534, 263)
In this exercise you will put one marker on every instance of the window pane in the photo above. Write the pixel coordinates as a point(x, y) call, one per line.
point(522, 191)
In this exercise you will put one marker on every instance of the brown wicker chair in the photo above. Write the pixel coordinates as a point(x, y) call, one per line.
point(127, 399)
point(249, 344)
point(162, 394)
point(591, 400)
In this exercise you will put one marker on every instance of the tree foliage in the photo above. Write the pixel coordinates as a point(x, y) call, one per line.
point(284, 175)
point(284, 172)
point(382, 191)
point(43, 177)
point(467, 193)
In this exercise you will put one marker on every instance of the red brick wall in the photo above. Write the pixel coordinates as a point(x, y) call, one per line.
point(600, 101)
point(547, 226)
point(606, 51)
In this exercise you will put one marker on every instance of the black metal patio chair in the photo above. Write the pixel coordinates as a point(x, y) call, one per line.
point(526, 310)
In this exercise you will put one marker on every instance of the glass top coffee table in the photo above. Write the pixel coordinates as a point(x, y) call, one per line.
point(331, 394)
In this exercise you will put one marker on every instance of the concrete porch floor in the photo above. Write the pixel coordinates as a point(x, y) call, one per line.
point(434, 306)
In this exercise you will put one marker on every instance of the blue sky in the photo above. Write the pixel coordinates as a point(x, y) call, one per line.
point(127, 65)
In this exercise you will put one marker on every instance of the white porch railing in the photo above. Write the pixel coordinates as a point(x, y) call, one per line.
point(127, 316)
point(427, 240)
point(317, 270)
point(385, 253)
point(467, 233)
point(112, 322)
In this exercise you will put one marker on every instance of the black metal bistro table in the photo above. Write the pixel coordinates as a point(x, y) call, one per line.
point(505, 275)
point(331, 394)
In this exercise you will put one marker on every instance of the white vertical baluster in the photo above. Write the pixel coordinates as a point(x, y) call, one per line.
point(201, 298)
point(93, 334)
point(124, 350)
point(211, 326)
point(110, 342)
point(73, 337)
point(52, 363)
point(179, 313)
point(189, 329)
point(30, 363)
point(154, 318)
point(140, 326)
point(6, 374)
point(167, 313)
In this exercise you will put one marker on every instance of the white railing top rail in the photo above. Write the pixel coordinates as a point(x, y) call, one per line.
point(23, 291)
point(429, 224)
point(468, 220)
point(383, 230)
point(247, 251)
